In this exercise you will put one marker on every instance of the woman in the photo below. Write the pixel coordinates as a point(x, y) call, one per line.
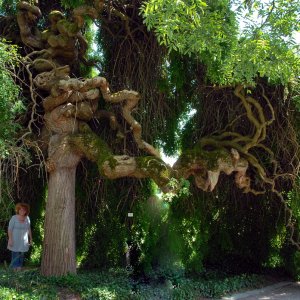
point(19, 235)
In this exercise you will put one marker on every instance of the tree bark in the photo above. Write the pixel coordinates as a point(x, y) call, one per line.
point(59, 243)
point(59, 255)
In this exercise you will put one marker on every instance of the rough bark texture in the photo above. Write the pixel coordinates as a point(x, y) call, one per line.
point(69, 103)
point(59, 243)
point(59, 255)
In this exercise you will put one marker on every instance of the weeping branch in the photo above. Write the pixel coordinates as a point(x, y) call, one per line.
point(69, 103)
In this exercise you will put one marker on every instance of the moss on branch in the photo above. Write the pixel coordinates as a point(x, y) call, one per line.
point(156, 169)
point(113, 166)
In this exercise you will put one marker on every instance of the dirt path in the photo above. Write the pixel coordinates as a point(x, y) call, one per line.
point(286, 290)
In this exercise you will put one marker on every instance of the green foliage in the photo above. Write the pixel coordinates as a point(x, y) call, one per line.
point(188, 232)
point(8, 7)
point(115, 284)
point(179, 84)
point(10, 104)
point(72, 3)
point(10, 107)
point(156, 239)
point(233, 246)
point(295, 265)
point(7, 207)
point(208, 30)
point(189, 27)
point(262, 56)
point(294, 91)
point(216, 231)
point(214, 288)
point(189, 221)
point(35, 194)
point(289, 254)
point(101, 229)
point(110, 284)
point(193, 288)
point(37, 216)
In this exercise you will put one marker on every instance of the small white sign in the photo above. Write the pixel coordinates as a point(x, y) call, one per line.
point(130, 215)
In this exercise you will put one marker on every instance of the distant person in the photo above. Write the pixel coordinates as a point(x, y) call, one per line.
point(19, 235)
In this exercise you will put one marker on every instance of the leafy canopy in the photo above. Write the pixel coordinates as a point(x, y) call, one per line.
point(10, 104)
point(263, 45)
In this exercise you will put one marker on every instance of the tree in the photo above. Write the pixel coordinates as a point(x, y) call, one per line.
point(65, 105)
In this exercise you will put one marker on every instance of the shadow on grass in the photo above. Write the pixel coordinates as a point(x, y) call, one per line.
point(116, 284)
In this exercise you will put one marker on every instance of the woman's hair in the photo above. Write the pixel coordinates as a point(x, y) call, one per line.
point(23, 205)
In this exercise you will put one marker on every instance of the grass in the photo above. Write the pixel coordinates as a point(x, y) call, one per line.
point(118, 284)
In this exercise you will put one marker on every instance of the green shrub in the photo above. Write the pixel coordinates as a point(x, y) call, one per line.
point(118, 284)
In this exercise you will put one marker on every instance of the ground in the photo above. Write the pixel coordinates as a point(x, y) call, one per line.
point(279, 291)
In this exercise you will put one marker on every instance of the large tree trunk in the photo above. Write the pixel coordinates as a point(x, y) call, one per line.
point(59, 255)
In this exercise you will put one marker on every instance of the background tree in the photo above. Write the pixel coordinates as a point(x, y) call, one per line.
point(220, 56)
